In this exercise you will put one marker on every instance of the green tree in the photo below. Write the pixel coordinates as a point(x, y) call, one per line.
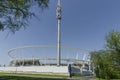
point(107, 62)
point(14, 14)
point(113, 44)
point(103, 65)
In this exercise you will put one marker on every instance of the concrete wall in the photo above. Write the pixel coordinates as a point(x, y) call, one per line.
point(46, 69)
point(39, 69)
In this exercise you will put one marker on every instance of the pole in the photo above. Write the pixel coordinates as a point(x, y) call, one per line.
point(59, 34)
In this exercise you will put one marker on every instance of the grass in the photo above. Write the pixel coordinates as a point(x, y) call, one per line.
point(24, 76)
point(105, 79)
point(36, 75)
point(28, 76)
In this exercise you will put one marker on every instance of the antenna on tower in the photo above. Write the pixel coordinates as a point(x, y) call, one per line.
point(58, 11)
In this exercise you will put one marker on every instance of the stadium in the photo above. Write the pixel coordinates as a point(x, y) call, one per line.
point(49, 59)
point(33, 59)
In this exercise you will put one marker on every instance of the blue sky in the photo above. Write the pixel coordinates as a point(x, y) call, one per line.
point(84, 25)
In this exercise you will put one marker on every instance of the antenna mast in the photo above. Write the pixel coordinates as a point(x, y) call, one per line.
point(58, 12)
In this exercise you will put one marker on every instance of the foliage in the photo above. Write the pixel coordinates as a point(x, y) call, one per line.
point(107, 62)
point(103, 64)
point(113, 41)
point(14, 14)
point(113, 44)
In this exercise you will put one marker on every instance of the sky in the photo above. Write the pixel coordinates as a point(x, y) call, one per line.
point(84, 25)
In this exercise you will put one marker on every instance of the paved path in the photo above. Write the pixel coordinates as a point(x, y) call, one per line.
point(86, 78)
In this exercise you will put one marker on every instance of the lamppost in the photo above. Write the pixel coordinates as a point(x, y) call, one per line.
point(58, 12)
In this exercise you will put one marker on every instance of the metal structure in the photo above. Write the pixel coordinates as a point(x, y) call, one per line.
point(59, 34)
point(11, 51)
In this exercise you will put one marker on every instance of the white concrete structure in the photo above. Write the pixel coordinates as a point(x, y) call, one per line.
point(62, 70)
point(37, 69)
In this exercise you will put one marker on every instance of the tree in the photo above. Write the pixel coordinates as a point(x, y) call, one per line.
point(14, 14)
point(113, 44)
point(107, 62)
point(103, 64)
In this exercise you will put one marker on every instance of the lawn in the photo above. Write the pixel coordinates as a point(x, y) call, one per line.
point(23, 78)
point(28, 76)
point(34, 75)
point(105, 79)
